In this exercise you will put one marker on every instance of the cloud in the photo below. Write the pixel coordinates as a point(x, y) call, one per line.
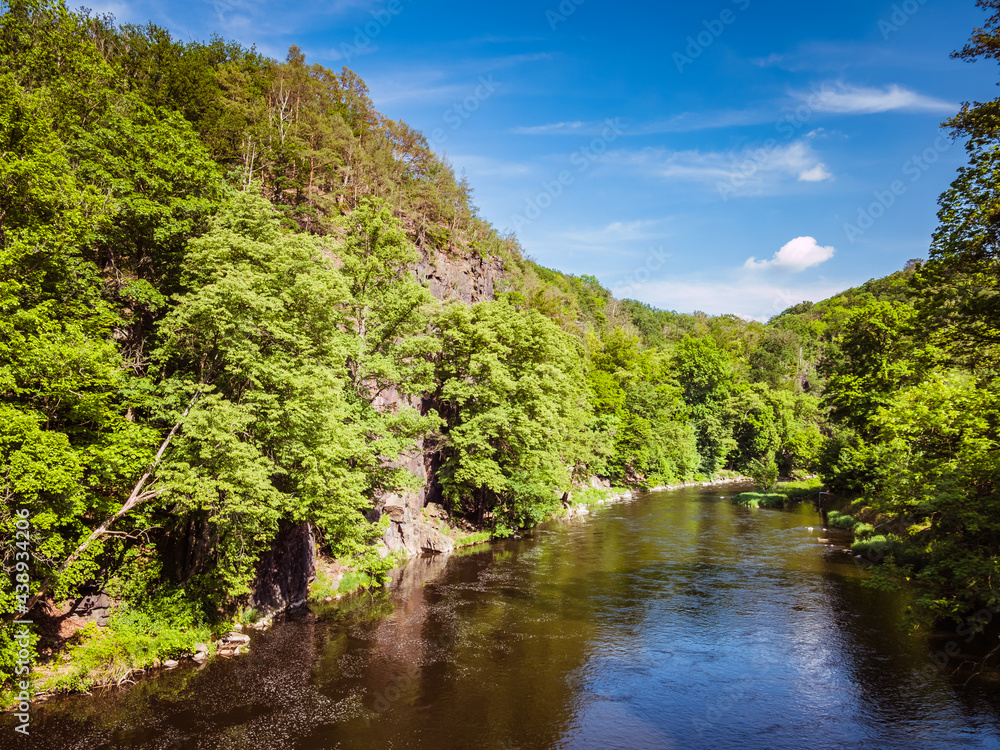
point(613, 237)
point(748, 171)
point(551, 128)
point(688, 122)
point(510, 60)
point(484, 166)
point(766, 62)
point(500, 39)
point(844, 99)
point(798, 255)
point(818, 173)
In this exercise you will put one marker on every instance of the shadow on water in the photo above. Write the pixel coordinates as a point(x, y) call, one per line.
point(675, 621)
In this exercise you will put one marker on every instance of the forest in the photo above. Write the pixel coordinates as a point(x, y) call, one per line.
point(213, 326)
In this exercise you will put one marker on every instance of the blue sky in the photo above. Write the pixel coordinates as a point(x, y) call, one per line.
point(733, 156)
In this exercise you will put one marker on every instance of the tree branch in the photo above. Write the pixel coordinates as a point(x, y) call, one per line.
point(135, 498)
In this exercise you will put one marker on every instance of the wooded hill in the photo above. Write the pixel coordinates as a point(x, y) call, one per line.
point(215, 274)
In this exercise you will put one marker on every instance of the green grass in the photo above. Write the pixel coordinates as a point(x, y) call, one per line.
point(839, 520)
point(761, 499)
point(354, 580)
point(478, 537)
point(132, 641)
point(324, 586)
point(801, 489)
point(873, 547)
point(593, 495)
point(784, 493)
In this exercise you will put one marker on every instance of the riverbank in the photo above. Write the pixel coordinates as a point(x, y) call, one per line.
point(783, 493)
point(581, 501)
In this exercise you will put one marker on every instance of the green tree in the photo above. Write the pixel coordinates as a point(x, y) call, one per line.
point(509, 389)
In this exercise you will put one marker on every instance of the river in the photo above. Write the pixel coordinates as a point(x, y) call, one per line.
point(675, 621)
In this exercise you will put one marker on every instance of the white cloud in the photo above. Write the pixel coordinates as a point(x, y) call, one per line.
point(766, 62)
point(484, 166)
point(613, 237)
point(798, 255)
point(818, 173)
point(749, 171)
point(845, 99)
point(554, 127)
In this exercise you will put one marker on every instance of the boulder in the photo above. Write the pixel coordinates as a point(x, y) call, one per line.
point(170, 663)
point(395, 508)
point(432, 540)
point(435, 510)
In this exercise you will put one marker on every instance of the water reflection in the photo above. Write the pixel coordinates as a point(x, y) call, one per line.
point(677, 621)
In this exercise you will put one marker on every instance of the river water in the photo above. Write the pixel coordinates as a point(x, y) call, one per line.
point(675, 621)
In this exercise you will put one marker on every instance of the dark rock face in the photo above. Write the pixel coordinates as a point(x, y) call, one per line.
point(94, 607)
point(285, 571)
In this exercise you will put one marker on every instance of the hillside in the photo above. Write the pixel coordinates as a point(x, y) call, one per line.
point(248, 318)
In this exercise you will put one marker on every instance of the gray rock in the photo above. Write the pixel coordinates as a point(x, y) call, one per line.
point(235, 637)
point(201, 648)
point(434, 510)
point(170, 663)
point(200, 656)
point(432, 540)
point(395, 509)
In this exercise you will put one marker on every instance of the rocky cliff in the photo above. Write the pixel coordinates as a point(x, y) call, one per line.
point(284, 573)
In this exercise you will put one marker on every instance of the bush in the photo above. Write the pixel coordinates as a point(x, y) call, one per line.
point(478, 537)
point(839, 520)
point(133, 640)
point(764, 473)
point(875, 548)
point(354, 580)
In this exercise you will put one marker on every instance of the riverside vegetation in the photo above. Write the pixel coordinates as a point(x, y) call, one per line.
point(208, 291)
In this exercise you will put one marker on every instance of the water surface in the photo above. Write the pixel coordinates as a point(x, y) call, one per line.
point(675, 621)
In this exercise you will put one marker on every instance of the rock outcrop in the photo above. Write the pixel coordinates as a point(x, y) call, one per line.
point(468, 277)
point(408, 532)
point(285, 571)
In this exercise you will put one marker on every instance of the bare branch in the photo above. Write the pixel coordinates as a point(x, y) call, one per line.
point(135, 498)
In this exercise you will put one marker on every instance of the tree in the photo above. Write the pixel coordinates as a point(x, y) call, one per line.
point(937, 486)
point(385, 307)
point(872, 356)
point(509, 390)
point(280, 432)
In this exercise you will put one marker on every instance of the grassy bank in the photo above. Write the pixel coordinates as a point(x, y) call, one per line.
point(784, 493)
point(868, 541)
